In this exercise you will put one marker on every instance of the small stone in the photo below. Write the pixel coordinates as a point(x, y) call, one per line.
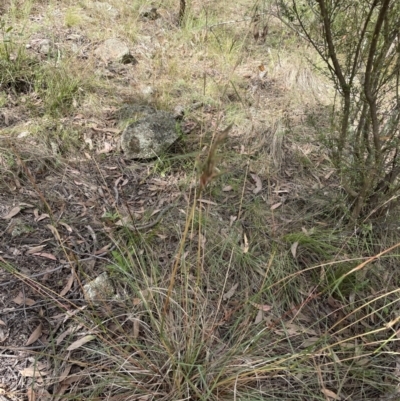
point(45, 46)
point(114, 50)
point(148, 91)
point(179, 112)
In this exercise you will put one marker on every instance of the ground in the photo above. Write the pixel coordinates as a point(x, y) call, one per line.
point(250, 287)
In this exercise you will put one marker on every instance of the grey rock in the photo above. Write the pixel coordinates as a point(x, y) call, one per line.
point(45, 46)
point(114, 50)
point(150, 135)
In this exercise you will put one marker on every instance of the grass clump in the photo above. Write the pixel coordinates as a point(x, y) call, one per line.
point(72, 17)
point(18, 69)
point(59, 89)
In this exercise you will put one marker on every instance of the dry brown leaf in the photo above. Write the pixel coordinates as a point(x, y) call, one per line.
point(72, 379)
point(65, 373)
point(293, 248)
point(42, 217)
point(136, 327)
point(60, 390)
point(35, 335)
point(264, 308)
point(69, 229)
point(30, 393)
point(2, 323)
point(202, 240)
point(137, 301)
point(330, 394)
point(82, 341)
point(276, 205)
point(13, 212)
point(102, 250)
point(259, 317)
point(327, 176)
point(107, 130)
point(43, 395)
point(24, 205)
point(363, 362)
point(392, 323)
point(68, 285)
point(160, 182)
point(245, 246)
point(70, 314)
point(45, 255)
point(227, 188)
point(293, 329)
point(118, 180)
point(310, 341)
point(32, 371)
point(21, 300)
point(107, 148)
point(153, 188)
point(4, 334)
point(208, 202)
point(258, 182)
point(66, 333)
point(55, 232)
point(230, 293)
point(335, 357)
point(35, 249)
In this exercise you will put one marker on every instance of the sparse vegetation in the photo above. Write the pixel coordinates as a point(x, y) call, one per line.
point(359, 46)
point(256, 260)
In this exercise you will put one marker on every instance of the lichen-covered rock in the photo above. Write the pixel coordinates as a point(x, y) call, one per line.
point(100, 288)
point(150, 135)
point(114, 50)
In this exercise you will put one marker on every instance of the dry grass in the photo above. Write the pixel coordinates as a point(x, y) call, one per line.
point(254, 291)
